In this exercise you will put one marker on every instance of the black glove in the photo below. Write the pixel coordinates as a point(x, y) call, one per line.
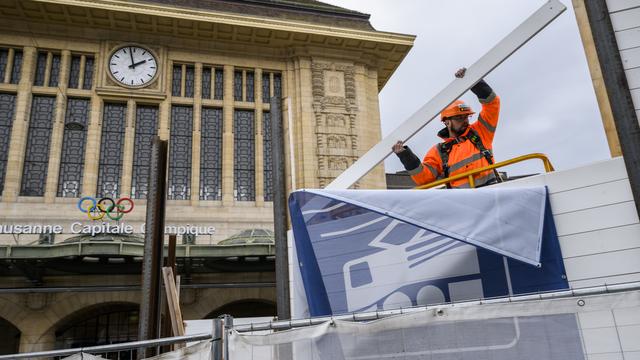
point(483, 91)
point(408, 159)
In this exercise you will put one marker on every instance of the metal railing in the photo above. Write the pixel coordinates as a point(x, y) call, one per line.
point(112, 348)
point(469, 174)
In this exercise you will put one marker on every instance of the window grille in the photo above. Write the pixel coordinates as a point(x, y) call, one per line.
point(219, 85)
point(277, 85)
point(55, 70)
point(266, 87)
point(211, 155)
point(111, 149)
point(36, 161)
point(74, 72)
point(180, 153)
point(73, 148)
point(4, 61)
point(189, 83)
point(146, 129)
point(206, 82)
point(244, 155)
point(176, 83)
point(237, 85)
point(17, 67)
point(87, 84)
point(41, 68)
point(250, 92)
point(7, 107)
point(267, 159)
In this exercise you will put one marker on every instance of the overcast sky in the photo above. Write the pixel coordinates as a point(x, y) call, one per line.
point(548, 101)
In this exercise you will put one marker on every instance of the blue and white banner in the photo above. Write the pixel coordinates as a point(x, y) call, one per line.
point(361, 250)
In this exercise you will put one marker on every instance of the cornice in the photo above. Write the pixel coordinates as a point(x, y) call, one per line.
point(239, 20)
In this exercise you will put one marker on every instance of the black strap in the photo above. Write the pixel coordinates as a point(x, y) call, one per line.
point(444, 149)
point(477, 142)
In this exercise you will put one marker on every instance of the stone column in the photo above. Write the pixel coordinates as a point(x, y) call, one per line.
point(227, 138)
point(127, 156)
point(195, 138)
point(259, 138)
point(18, 140)
point(57, 133)
point(306, 117)
point(92, 148)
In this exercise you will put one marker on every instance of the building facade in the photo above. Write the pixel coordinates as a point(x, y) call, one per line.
point(85, 86)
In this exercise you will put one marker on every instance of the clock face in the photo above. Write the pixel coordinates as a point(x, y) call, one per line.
point(133, 66)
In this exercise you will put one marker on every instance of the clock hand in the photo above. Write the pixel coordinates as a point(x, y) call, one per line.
point(133, 66)
point(131, 56)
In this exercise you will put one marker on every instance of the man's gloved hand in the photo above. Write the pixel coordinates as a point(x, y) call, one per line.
point(406, 156)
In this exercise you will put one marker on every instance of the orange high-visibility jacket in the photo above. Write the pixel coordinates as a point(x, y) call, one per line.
point(464, 155)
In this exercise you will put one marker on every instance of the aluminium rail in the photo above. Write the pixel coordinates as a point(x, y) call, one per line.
point(469, 174)
point(374, 315)
point(112, 347)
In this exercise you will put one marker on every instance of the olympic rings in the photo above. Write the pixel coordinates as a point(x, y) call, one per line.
point(105, 206)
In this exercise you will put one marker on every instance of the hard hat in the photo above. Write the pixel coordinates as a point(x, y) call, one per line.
point(456, 108)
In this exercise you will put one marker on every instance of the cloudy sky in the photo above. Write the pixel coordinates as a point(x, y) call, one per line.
point(548, 102)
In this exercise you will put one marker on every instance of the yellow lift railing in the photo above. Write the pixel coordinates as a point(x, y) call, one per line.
point(469, 174)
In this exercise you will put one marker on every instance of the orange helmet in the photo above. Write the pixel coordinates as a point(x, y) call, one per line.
point(456, 108)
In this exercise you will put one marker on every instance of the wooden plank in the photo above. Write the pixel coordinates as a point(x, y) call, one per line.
point(628, 39)
point(603, 264)
point(627, 19)
point(633, 78)
point(619, 5)
point(173, 301)
point(630, 58)
point(591, 196)
point(604, 240)
point(603, 217)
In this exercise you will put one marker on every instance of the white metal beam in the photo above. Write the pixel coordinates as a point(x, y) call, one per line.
point(499, 53)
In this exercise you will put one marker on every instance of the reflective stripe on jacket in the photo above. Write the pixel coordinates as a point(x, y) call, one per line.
point(464, 155)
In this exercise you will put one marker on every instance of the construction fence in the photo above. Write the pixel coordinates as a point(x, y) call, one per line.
point(595, 323)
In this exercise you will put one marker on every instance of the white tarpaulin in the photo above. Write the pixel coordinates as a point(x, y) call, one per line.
point(507, 221)
point(577, 328)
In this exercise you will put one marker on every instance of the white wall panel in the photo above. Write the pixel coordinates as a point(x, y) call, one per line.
point(633, 78)
point(617, 5)
point(603, 240)
point(628, 39)
point(635, 95)
point(591, 196)
point(602, 280)
point(630, 58)
point(603, 264)
point(596, 218)
point(627, 19)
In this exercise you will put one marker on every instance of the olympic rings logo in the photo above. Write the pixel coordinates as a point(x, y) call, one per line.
point(97, 209)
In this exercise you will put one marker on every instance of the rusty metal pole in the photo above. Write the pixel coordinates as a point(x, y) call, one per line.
point(280, 210)
point(148, 326)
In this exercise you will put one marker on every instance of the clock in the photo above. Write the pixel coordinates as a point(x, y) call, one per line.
point(133, 66)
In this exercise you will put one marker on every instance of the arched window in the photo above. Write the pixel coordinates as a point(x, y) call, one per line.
point(10, 338)
point(245, 308)
point(103, 325)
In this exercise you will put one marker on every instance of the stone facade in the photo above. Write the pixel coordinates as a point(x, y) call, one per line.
point(329, 81)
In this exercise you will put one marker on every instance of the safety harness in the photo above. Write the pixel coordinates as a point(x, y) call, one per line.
point(444, 149)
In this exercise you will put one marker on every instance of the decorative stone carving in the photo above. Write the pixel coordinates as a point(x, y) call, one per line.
point(336, 120)
point(334, 105)
point(336, 142)
point(338, 163)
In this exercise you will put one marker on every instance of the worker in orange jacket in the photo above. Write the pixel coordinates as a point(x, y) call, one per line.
point(465, 147)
